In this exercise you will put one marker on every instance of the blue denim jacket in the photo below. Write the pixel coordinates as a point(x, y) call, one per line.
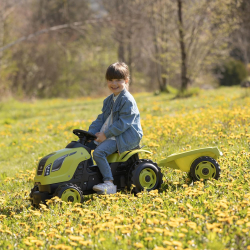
point(126, 126)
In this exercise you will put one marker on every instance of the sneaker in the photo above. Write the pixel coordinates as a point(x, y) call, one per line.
point(105, 188)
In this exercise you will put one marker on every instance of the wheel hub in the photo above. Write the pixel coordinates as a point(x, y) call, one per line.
point(71, 195)
point(71, 198)
point(205, 171)
point(147, 178)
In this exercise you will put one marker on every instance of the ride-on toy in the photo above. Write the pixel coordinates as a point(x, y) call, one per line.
point(67, 173)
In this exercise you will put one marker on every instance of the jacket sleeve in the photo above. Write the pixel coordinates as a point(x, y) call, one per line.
point(127, 115)
point(96, 125)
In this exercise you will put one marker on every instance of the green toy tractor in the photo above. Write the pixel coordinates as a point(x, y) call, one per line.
point(68, 174)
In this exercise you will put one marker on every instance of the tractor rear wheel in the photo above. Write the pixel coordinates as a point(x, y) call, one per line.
point(204, 167)
point(144, 175)
point(69, 193)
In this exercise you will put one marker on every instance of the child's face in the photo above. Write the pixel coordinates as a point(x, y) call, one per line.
point(117, 85)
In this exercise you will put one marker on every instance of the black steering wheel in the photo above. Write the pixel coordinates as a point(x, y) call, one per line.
point(84, 136)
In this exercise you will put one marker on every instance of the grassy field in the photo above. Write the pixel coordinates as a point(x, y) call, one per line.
point(212, 215)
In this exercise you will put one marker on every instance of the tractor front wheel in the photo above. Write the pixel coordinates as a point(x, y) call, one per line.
point(145, 175)
point(34, 189)
point(69, 193)
point(204, 167)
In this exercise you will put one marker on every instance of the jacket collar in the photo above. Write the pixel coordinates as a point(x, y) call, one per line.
point(118, 100)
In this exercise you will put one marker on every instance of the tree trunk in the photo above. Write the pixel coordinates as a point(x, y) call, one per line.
point(184, 78)
point(2, 21)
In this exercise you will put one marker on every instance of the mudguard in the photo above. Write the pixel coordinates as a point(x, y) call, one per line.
point(116, 157)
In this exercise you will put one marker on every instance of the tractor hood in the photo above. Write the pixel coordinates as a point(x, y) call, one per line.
point(60, 166)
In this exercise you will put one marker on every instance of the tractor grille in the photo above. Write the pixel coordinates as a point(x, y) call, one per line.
point(42, 164)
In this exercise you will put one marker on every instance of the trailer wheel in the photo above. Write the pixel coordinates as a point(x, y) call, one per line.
point(205, 167)
point(144, 175)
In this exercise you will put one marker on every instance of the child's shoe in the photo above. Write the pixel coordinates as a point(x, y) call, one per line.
point(105, 188)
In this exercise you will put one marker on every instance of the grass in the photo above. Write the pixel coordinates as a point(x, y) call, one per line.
point(212, 215)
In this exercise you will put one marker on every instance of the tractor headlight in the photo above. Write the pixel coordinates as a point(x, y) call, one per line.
point(47, 170)
point(58, 163)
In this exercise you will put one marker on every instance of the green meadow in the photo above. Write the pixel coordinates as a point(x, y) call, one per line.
point(202, 215)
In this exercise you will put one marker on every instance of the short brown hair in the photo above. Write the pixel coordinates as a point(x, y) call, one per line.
point(118, 70)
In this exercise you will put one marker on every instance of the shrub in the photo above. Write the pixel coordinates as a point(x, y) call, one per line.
point(232, 72)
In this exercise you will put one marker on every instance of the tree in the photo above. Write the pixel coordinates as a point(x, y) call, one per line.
point(184, 78)
point(241, 36)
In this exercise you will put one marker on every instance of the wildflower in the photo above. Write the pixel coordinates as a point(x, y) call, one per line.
point(160, 248)
point(148, 221)
point(61, 247)
point(85, 243)
point(38, 243)
point(166, 242)
point(240, 222)
point(75, 238)
point(159, 230)
point(199, 216)
point(177, 243)
point(148, 238)
point(189, 206)
point(184, 230)
point(181, 235)
point(138, 245)
point(158, 200)
point(42, 233)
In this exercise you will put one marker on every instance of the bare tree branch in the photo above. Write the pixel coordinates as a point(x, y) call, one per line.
point(54, 28)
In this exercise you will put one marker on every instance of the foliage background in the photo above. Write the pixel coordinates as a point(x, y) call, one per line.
point(55, 48)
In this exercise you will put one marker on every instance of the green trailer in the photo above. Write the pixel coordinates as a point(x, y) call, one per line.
point(199, 163)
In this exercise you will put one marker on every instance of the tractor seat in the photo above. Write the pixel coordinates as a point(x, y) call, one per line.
point(138, 147)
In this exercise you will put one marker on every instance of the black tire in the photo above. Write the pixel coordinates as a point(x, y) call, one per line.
point(144, 172)
point(69, 193)
point(34, 189)
point(205, 167)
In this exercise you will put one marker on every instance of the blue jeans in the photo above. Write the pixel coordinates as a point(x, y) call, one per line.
point(101, 151)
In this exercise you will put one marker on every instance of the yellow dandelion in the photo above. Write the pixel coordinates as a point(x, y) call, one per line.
point(159, 230)
point(85, 243)
point(166, 242)
point(158, 200)
point(191, 225)
point(148, 238)
point(181, 235)
point(148, 221)
point(160, 248)
point(73, 244)
point(42, 233)
point(38, 243)
point(177, 243)
point(184, 230)
point(75, 238)
point(8, 232)
point(138, 245)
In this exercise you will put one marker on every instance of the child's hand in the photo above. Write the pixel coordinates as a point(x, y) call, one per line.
point(100, 137)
